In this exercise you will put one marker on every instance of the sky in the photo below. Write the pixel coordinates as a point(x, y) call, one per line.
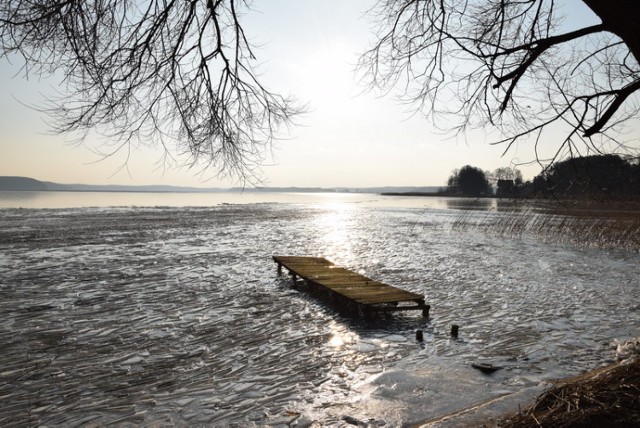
point(348, 138)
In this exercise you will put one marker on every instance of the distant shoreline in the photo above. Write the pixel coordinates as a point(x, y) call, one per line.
point(420, 194)
point(117, 191)
point(439, 195)
point(231, 190)
point(24, 184)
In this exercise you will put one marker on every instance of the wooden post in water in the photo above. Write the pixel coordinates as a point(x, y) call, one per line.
point(364, 311)
point(419, 336)
point(294, 277)
point(425, 310)
point(454, 331)
point(279, 269)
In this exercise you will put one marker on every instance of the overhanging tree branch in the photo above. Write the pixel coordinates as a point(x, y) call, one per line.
point(179, 73)
point(509, 67)
point(619, 97)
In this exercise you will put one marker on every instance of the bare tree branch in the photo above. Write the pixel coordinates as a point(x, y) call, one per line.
point(178, 73)
point(506, 64)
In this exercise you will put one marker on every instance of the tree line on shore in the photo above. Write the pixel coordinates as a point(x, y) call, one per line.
point(605, 176)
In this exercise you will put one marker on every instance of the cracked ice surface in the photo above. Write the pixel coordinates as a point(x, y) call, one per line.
point(176, 315)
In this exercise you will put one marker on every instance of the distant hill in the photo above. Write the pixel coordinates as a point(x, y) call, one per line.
point(123, 188)
point(22, 183)
point(30, 184)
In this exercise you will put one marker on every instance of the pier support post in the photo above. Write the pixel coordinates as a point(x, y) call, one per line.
point(279, 269)
point(294, 278)
point(419, 336)
point(364, 311)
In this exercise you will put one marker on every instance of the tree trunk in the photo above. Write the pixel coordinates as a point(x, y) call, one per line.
point(622, 18)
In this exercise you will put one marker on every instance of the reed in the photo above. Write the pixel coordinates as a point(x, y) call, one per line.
point(597, 225)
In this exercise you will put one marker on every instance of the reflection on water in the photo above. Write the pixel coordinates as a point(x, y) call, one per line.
point(336, 341)
point(479, 204)
point(336, 223)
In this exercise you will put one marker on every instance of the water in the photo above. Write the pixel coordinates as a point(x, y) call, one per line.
point(176, 315)
point(15, 199)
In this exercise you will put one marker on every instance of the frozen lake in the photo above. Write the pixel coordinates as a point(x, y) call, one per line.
point(176, 315)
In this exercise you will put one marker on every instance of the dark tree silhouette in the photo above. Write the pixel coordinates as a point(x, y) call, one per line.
point(174, 73)
point(469, 181)
point(509, 64)
point(599, 176)
point(505, 173)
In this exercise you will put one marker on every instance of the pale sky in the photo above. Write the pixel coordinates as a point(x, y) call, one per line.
point(347, 139)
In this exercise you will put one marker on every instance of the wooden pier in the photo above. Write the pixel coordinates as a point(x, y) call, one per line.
point(349, 289)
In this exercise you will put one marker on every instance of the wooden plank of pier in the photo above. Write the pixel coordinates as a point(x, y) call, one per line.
point(349, 288)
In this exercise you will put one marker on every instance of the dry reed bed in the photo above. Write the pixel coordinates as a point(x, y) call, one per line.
point(609, 396)
point(614, 225)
